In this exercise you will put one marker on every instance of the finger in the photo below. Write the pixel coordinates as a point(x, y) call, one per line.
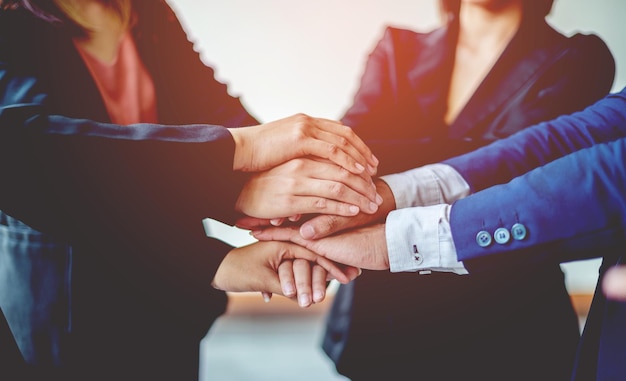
point(295, 218)
point(326, 179)
point(286, 277)
point(250, 223)
point(318, 276)
point(299, 251)
point(350, 271)
point(286, 233)
point(325, 225)
point(277, 221)
point(267, 296)
point(614, 283)
point(351, 137)
point(362, 184)
point(321, 147)
point(336, 191)
point(335, 270)
point(302, 276)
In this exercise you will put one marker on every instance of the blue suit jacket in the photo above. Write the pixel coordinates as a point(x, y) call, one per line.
point(565, 181)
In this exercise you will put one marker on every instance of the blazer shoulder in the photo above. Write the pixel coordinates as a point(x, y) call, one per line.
point(402, 36)
point(593, 56)
point(591, 46)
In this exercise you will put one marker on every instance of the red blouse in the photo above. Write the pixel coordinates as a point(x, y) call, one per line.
point(125, 85)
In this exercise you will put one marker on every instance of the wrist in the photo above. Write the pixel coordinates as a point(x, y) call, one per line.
point(389, 202)
point(239, 156)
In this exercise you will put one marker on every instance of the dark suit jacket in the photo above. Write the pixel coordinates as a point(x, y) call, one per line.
point(565, 181)
point(399, 111)
point(129, 201)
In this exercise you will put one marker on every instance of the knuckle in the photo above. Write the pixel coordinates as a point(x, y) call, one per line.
point(330, 223)
point(297, 164)
point(344, 174)
point(349, 132)
point(320, 203)
point(333, 149)
point(343, 142)
point(337, 190)
point(302, 120)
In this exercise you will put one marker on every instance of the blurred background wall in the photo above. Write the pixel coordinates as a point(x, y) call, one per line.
point(287, 56)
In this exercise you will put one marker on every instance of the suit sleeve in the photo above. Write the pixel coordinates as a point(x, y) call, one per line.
point(141, 189)
point(572, 208)
point(563, 180)
point(507, 158)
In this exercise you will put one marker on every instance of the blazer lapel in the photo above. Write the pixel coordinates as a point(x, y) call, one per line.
point(520, 62)
point(72, 88)
point(429, 73)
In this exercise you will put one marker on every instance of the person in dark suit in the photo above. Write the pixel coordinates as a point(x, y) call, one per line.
point(551, 193)
point(109, 167)
point(494, 68)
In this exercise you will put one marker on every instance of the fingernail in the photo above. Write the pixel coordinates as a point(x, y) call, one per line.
point(318, 296)
point(267, 297)
point(360, 270)
point(275, 221)
point(304, 300)
point(373, 207)
point(371, 169)
point(379, 199)
point(354, 209)
point(289, 289)
point(307, 231)
point(375, 159)
point(359, 167)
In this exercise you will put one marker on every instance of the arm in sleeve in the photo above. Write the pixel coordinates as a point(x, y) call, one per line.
point(572, 208)
point(141, 189)
point(418, 232)
point(507, 158)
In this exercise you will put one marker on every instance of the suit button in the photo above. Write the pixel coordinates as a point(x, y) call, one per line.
point(519, 231)
point(502, 236)
point(483, 238)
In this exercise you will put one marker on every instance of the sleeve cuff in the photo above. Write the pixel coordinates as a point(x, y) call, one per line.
point(428, 185)
point(419, 239)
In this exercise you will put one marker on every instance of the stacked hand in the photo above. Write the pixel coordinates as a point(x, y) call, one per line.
point(363, 245)
point(301, 166)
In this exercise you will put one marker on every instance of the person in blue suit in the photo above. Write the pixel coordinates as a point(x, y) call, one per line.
point(551, 193)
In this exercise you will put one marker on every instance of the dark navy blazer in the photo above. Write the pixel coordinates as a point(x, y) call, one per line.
point(565, 182)
point(387, 325)
point(101, 243)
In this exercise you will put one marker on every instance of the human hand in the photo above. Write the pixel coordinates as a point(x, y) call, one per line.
point(256, 267)
point(364, 248)
point(304, 185)
point(262, 147)
point(614, 283)
point(326, 224)
point(303, 281)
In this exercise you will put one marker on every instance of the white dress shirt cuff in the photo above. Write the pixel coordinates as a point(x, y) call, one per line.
point(419, 239)
point(428, 185)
